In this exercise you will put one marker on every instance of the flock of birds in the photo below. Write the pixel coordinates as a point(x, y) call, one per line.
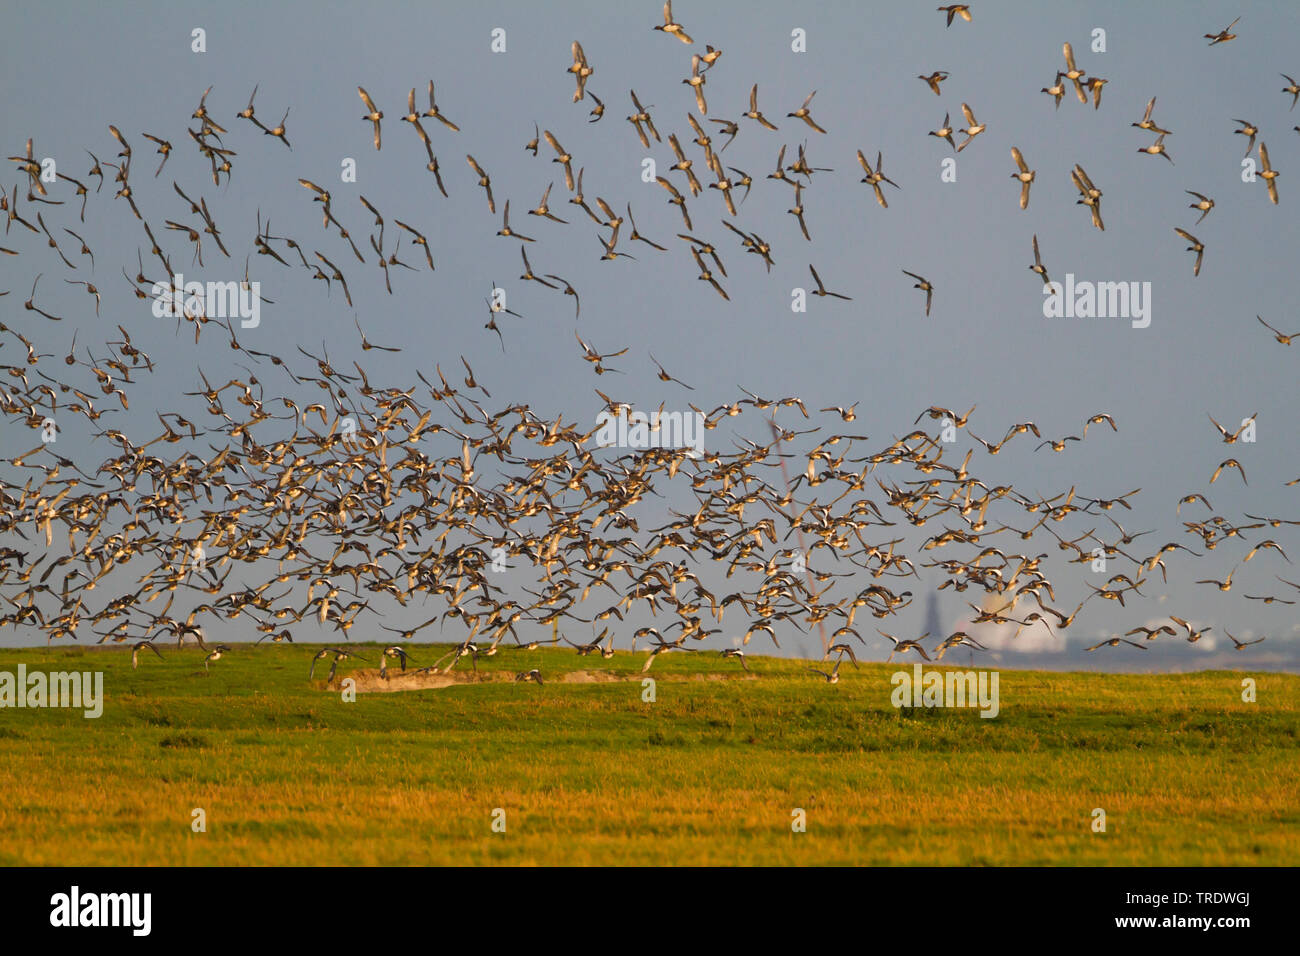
point(335, 527)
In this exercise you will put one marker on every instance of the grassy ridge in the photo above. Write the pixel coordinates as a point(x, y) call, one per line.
point(709, 773)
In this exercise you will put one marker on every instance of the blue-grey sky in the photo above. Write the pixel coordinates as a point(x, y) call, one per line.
point(985, 343)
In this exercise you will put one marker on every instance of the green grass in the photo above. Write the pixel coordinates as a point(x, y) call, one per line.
point(588, 773)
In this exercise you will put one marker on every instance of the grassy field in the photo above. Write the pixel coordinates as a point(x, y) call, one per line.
point(588, 773)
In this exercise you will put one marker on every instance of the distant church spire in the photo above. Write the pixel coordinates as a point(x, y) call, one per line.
point(932, 625)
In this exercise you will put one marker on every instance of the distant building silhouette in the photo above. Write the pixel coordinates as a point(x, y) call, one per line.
point(932, 623)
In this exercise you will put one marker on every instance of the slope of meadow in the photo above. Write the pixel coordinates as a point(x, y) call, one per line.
point(586, 771)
